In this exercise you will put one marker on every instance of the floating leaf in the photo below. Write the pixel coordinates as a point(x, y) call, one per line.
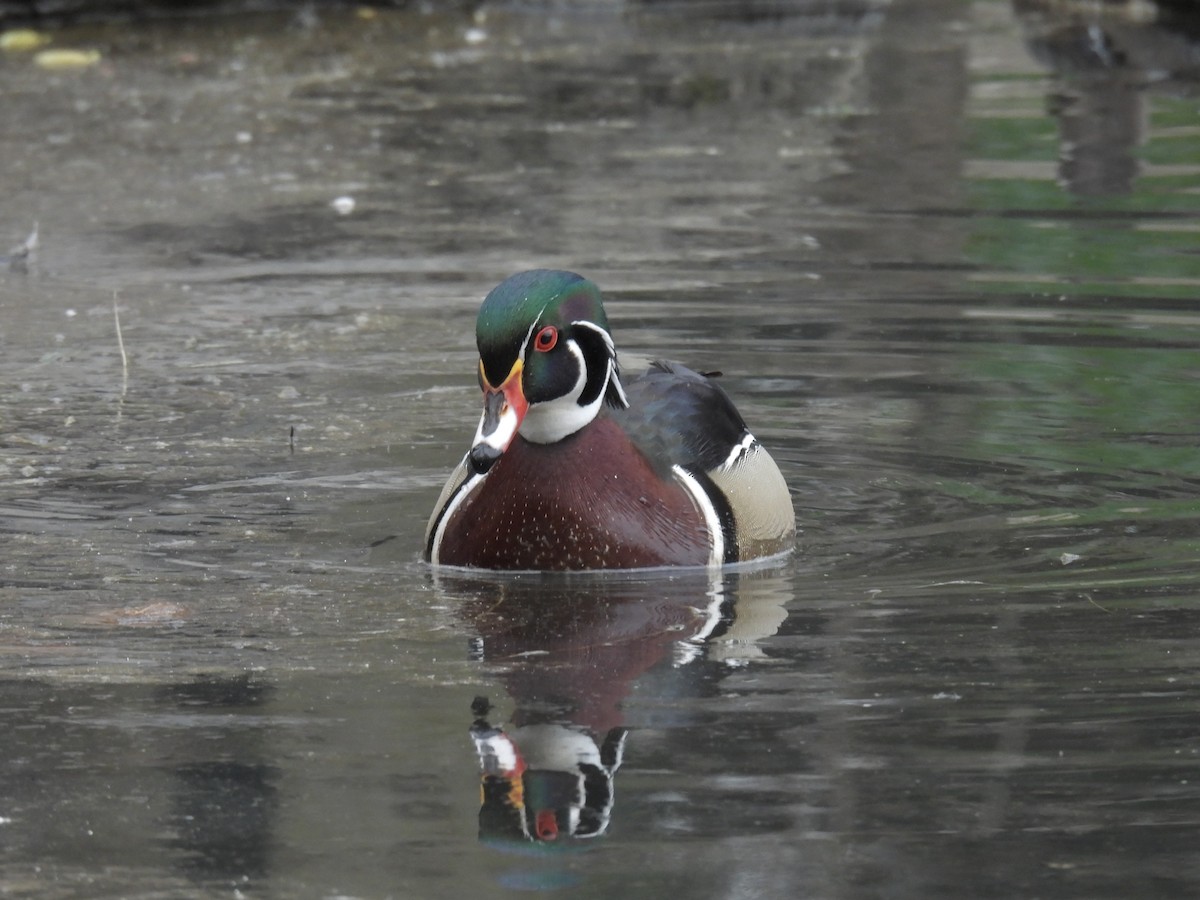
point(67, 59)
point(22, 40)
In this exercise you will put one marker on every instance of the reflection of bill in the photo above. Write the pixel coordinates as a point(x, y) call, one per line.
point(542, 782)
point(568, 652)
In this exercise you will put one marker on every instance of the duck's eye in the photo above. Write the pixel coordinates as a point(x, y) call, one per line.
point(546, 339)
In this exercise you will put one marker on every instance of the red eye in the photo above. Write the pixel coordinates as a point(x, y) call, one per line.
point(546, 339)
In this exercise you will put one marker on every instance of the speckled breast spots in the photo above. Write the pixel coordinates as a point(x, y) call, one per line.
point(590, 501)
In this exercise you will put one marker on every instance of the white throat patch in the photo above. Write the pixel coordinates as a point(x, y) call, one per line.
point(553, 420)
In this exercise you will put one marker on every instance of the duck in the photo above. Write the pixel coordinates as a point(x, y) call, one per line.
point(574, 467)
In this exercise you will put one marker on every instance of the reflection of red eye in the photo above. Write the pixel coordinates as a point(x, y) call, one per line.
point(546, 339)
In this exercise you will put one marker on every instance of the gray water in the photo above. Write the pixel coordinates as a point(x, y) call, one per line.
point(945, 255)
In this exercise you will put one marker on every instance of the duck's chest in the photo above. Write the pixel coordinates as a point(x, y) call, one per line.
point(590, 501)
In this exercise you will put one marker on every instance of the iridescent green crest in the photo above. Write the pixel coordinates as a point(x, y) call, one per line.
point(526, 301)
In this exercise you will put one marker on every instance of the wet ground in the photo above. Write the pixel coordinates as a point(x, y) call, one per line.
point(945, 255)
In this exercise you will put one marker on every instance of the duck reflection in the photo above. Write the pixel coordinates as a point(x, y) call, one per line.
point(569, 652)
point(1106, 58)
point(544, 781)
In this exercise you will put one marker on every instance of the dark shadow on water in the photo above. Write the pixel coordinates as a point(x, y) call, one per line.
point(224, 817)
point(224, 806)
point(129, 776)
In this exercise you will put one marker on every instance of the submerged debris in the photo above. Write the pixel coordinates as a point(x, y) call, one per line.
point(22, 40)
point(66, 59)
point(18, 257)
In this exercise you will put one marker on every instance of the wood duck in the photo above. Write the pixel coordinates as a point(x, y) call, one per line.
point(572, 468)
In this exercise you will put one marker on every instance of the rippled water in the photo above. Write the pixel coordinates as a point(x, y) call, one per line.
point(945, 255)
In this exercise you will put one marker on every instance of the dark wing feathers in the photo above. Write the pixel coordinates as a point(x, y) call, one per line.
point(679, 417)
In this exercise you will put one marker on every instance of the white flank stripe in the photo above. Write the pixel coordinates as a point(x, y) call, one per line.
point(717, 555)
point(459, 496)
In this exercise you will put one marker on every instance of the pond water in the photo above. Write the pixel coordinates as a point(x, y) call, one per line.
point(945, 255)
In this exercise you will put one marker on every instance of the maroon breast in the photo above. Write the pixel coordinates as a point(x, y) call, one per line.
point(590, 501)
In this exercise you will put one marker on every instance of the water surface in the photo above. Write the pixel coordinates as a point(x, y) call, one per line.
point(944, 254)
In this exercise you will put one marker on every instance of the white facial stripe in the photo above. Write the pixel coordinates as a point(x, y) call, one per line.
point(614, 377)
point(608, 341)
point(553, 420)
point(615, 380)
point(528, 335)
point(525, 342)
point(711, 520)
point(573, 349)
point(502, 434)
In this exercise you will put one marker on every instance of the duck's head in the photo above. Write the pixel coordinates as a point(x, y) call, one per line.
point(546, 361)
